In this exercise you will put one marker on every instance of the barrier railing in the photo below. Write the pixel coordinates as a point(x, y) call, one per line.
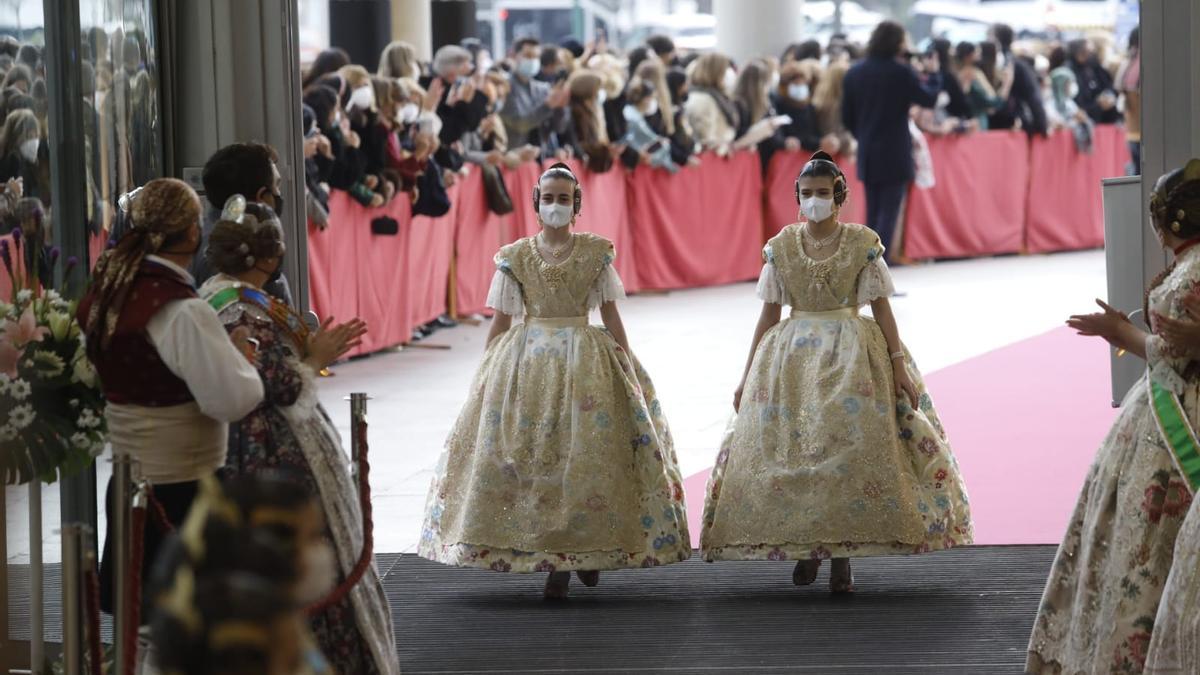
point(995, 192)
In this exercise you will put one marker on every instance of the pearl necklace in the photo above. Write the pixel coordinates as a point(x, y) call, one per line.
point(821, 243)
point(555, 253)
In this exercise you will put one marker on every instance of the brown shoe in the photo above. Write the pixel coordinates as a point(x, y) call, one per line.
point(590, 579)
point(841, 578)
point(557, 586)
point(806, 572)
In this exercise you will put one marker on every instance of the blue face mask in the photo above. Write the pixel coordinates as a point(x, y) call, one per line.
point(798, 91)
point(528, 67)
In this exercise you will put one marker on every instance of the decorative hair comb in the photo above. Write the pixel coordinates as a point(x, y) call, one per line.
point(235, 209)
point(125, 201)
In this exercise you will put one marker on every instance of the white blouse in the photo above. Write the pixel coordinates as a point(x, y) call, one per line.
point(874, 282)
point(505, 294)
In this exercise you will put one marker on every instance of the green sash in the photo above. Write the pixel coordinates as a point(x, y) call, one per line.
point(1177, 433)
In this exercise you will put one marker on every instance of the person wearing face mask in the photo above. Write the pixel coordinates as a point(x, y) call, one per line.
point(643, 102)
point(173, 379)
point(20, 141)
point(533, 110)
point(866, 470)
point(291, 430)
point(793, 97)
point(247, 169)
point(1064, 89)
point(540, 457)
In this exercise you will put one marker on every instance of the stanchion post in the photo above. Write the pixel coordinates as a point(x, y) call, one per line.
point(123, 536)
point(37, 604)
point(72, 584)
point(358, 413)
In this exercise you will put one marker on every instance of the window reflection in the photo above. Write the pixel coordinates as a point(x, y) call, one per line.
point(122, 127)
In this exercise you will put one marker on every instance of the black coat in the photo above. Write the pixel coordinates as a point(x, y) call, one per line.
point(616, 127)
point(1094, 80)
point(804, 125)
point(1024, 103)
point(878, 95)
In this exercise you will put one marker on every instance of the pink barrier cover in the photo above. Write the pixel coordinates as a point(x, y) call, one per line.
point(699, 227)
point(1065, 207)
point(977, 206)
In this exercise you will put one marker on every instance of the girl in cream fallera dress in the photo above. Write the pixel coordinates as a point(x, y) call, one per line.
point(1122, 594)
point(836, 451)
point(561, 459)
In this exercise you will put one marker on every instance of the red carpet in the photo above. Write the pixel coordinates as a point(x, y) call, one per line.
point(1025, 422)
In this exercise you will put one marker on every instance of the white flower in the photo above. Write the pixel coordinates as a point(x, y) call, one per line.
point(83, 372)
point(7, 433)
point(19, 389)
point(48, 364)
point(21, 416)
point(88, 419)
point(60, 325)
point(81, 441)
point(5, 309)
point(24, 295)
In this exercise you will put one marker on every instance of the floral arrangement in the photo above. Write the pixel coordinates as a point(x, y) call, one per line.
point(51, 408)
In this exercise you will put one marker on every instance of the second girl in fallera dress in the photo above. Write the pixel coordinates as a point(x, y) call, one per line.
point(836, 451)
point(561, 459)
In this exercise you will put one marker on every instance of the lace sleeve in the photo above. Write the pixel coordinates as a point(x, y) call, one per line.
point(1166, 364)
point(875, 282)
point(608, 288)
point(770, 286)
point(505, 294)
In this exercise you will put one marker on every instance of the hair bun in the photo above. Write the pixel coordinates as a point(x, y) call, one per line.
point(821, 154)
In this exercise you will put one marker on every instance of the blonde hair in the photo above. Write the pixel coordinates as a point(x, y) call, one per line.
point(829, 89)
point(397, 60)
point(652, 70)
point(355, 76)
point(751, 90)
point(709, 71)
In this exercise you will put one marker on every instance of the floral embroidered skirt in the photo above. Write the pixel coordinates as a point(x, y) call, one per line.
point(823, 461)
point(560, 460)
point(1097, 612)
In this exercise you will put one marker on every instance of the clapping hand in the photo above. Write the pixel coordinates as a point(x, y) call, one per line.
point(1111, 324)
point(331, 343)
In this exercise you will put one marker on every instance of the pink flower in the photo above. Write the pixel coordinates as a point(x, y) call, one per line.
point(24, 330)
point(9, 356)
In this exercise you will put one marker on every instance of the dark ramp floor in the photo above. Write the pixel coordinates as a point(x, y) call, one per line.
point(963, 611)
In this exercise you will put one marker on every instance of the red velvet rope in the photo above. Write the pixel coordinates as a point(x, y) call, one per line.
point(136, 551)
point(160, 514)
point(368, 550)
point(91, 582)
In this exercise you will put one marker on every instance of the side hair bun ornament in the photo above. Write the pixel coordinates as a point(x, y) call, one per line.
point(235, 209)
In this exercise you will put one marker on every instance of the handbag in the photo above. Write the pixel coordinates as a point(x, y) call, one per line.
point(385, 226)
point(498, 200)
point(432, 199)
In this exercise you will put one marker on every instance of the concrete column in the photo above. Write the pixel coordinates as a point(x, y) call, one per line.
point(1170, 100)
point(412, 22)
point(746, 30)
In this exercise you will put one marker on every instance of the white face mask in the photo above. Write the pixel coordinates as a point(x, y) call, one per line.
point(730, 81)
point(555, 215)
point(528, 67)
point(798, 91)
point(408, 113)
point(653, 107)
point(363, 98)
point(816, 209)
point(320, 574)
point(29, 149)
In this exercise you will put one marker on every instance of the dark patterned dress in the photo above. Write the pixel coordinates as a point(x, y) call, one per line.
point(274, 437)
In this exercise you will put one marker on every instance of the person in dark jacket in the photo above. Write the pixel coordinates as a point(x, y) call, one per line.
point(1097, 95)
point(793, 98)
point(1025, 97)
point(879, 93)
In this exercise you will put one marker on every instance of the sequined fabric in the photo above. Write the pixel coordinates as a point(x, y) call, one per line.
point(561, 458)
point(823, 460)
point(1098, 609)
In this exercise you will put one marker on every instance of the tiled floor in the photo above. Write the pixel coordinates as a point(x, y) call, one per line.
point(694, 345)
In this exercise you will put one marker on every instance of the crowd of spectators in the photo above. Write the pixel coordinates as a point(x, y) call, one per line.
point(412, 127)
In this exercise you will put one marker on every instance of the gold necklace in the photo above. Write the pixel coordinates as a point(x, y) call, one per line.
point(558, 252)
point(821, 243)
